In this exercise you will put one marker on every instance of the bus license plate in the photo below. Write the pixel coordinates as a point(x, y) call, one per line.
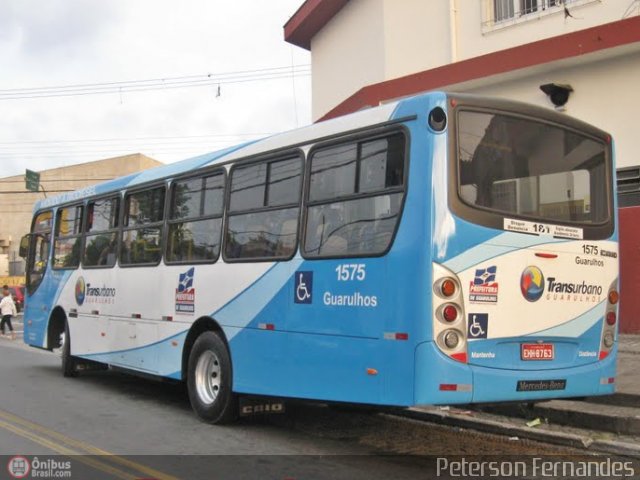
point(536, 351)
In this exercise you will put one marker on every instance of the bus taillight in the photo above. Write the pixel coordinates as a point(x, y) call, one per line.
point(449, 327)
point(455, 387)
point(451, 339)
point(608, 338)
point(461, 357)
point(450, 313)
point(448, 287)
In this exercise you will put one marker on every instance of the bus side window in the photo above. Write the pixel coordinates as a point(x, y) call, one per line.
point(41, 254)
point(195, 222)
point(142, 230)
point(355, 197)
point(68, 238)
point(38, 257)
point(101, 241)
point(263, 210)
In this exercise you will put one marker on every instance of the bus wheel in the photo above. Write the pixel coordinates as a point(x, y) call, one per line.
point(209, 380)
point(69, 363)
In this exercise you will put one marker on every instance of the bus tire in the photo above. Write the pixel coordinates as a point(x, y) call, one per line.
point(209, 380)
point(69, 363)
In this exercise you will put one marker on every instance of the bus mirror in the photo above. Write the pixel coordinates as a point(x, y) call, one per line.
point(24, 246)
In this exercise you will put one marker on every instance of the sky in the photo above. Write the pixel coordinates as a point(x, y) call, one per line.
point(221, 73)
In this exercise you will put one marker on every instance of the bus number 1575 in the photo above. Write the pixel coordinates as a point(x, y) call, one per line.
point(351, 271)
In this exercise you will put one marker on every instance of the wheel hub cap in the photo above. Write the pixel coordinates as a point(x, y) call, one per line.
point(208, 379)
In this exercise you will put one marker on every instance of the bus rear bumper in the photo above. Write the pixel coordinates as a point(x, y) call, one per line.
point(441, 381)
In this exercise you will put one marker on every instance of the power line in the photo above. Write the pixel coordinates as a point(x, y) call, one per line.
point(133, 86)
point(77, 94)
point(120, 83)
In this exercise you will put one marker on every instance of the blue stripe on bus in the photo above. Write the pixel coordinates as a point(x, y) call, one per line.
point(245, 307)
point(50, 289)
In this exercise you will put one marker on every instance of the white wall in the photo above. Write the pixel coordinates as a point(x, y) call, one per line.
point(370, 41)
point(416, 36)
point(347, 54)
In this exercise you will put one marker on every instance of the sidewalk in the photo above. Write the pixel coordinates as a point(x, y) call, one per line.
point(628, 378)
point(629, 343)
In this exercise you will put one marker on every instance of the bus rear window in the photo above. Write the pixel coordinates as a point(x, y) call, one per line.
point(526, 168)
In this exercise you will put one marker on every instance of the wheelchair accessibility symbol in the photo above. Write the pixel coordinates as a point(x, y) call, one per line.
point(478, 325)
point(303, 292)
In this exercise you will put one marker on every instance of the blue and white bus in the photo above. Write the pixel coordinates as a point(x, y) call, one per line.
point(442, 249)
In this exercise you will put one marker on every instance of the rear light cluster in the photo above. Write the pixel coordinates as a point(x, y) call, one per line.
point(448, 314)
point(610, 320)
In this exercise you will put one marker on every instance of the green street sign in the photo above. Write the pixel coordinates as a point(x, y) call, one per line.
point(32, 180)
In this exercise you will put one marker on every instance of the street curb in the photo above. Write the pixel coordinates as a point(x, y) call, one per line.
point(629, 352)
point(606, 417)
point(617, 399)
point(509, 429)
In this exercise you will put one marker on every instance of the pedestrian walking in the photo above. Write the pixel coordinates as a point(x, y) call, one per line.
point(7, 310)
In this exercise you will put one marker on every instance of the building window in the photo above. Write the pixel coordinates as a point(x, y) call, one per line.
point(101, 237)
point(142, 229)
point(68, 238)
point(263, 210)
point(355, 197)
point(528, 6)
point(502, 10)
point(195, 223)
point(508, 9)
point(506, 12)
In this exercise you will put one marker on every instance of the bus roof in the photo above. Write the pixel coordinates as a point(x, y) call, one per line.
point(297, 137)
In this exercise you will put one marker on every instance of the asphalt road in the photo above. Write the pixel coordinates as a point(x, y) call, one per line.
point(139, 428)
